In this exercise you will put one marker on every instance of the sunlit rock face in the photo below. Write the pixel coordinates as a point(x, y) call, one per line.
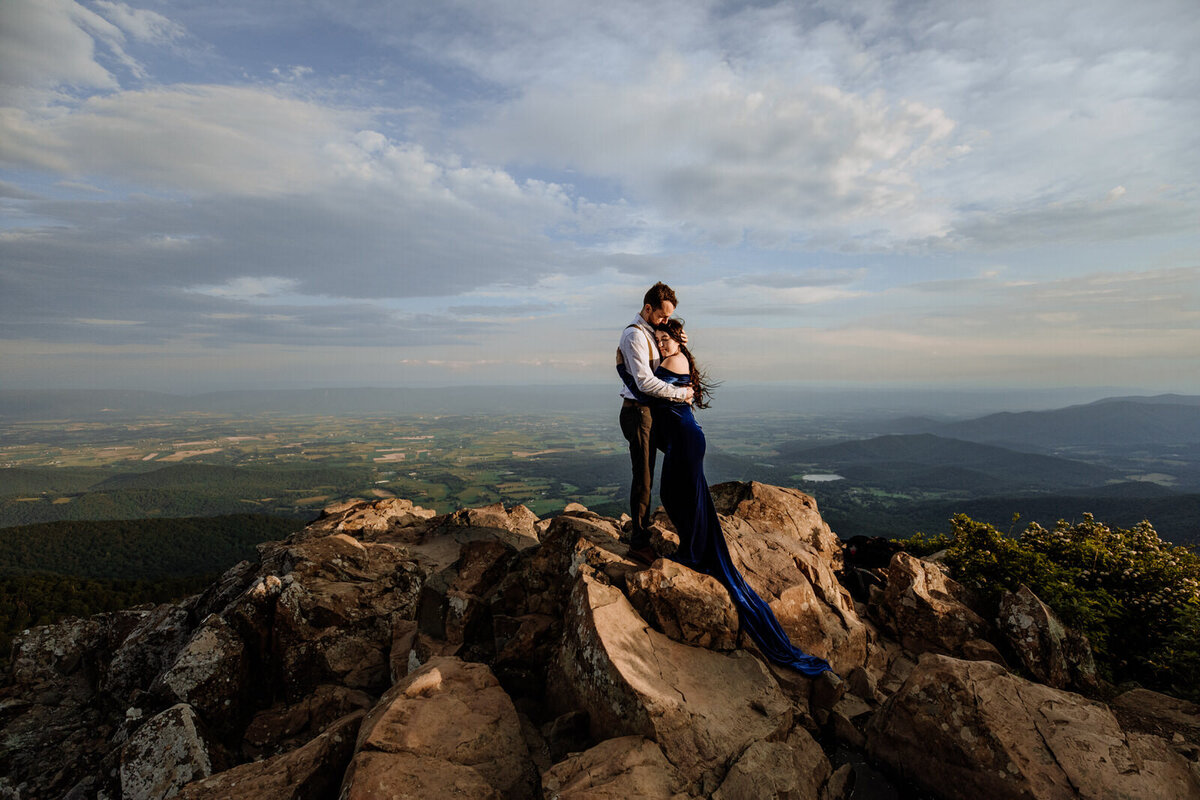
point(389, 651)
point(969, 729)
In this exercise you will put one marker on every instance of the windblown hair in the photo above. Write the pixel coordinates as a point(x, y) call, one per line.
point(658, 294)
point(702, 384)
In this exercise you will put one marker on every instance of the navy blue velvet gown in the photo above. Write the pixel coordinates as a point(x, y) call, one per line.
point(684, 492)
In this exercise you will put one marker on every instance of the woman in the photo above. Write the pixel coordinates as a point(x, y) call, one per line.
point(685, 496)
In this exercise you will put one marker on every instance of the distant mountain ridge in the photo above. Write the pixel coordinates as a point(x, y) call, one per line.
point(1165, 419)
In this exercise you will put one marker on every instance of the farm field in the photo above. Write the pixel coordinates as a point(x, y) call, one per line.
point(294, 465)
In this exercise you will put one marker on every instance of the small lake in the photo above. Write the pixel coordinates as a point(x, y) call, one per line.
point(822, 477)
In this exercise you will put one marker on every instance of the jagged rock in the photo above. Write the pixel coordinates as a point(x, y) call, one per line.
point(210, 674)
point(404, 638)
point(970, 729)
point(847, 719)
point(791, 558)
point(864, 684)
point(376, 517)
point(797, 768)
point(687, 606)
point(1153, 712)
point(616, 769)
point(1052, 653)
point(982, 650)
point(282, 728)
point(523, 646)
point(49, 747)
point(147, 650)
point(452, 711)
point(888, 664)
point(56, 730)
point(333, 618)
point(46, 654)
point(926, 609)
point(168, 752)
point(452, 605)
point(840, 785)
point(311, 771)
point(826, 690)
point(437, 542)
point(229, 586)
point(701, 707)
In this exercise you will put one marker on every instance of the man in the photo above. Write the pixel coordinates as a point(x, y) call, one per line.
point(641, 357)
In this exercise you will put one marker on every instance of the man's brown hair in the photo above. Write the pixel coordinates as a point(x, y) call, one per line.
point(658, 294)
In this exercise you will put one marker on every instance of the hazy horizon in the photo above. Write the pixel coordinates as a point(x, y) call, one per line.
point(209, 195)
point(733, 398)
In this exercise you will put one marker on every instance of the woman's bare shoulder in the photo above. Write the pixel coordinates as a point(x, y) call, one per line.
point(676, 363)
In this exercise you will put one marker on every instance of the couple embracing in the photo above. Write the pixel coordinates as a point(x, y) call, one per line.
point(662, 386)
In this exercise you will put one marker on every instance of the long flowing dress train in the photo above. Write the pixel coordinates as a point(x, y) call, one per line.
point(685, 496)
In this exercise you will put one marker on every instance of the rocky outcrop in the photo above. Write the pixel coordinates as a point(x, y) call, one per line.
point(449, 711)
point(791, 558)
point(170, 751)
point(970, 729)
point(616, 769)
point(388, 651)
point(703, 708)
point(928, 611)
point(312, 770)
point(1049, 651)
point(685, 605)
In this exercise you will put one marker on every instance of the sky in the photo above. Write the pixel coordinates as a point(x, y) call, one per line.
point(217, 194)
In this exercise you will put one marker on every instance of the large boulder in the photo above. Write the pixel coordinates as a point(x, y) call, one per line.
point(54, 727)
point(284, 727)
point(928, 611)
point(450, 711)
point(687, 606)
point(970, 729)
point(701, 707)
point(147, 650)
point(795, 768)
point(58, 655)
point(791, 558)
point(616, 769)
point(359, 518)
point(437, 541)
point(1050, 651)
point(333, 620)
point(306, 773)
point(210, 674)
point(169, 751)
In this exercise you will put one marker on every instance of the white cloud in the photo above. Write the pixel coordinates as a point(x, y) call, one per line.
point(45, 44)
point(140, 23)
point(240, 140)
point(729, 153)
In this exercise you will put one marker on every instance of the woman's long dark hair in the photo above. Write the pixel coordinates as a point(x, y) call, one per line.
point(702, 385)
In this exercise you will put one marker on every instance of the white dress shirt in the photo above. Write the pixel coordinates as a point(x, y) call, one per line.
point(641, 358)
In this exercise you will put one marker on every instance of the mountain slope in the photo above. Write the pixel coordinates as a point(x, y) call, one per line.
point(925, 460)
point(1164, 420)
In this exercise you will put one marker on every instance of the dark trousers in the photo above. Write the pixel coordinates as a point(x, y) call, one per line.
point(636, 426)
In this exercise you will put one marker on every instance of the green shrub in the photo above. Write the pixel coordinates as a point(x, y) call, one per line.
point(1136, 596)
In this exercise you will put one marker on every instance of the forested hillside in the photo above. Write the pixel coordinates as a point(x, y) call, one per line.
point(61, 569)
